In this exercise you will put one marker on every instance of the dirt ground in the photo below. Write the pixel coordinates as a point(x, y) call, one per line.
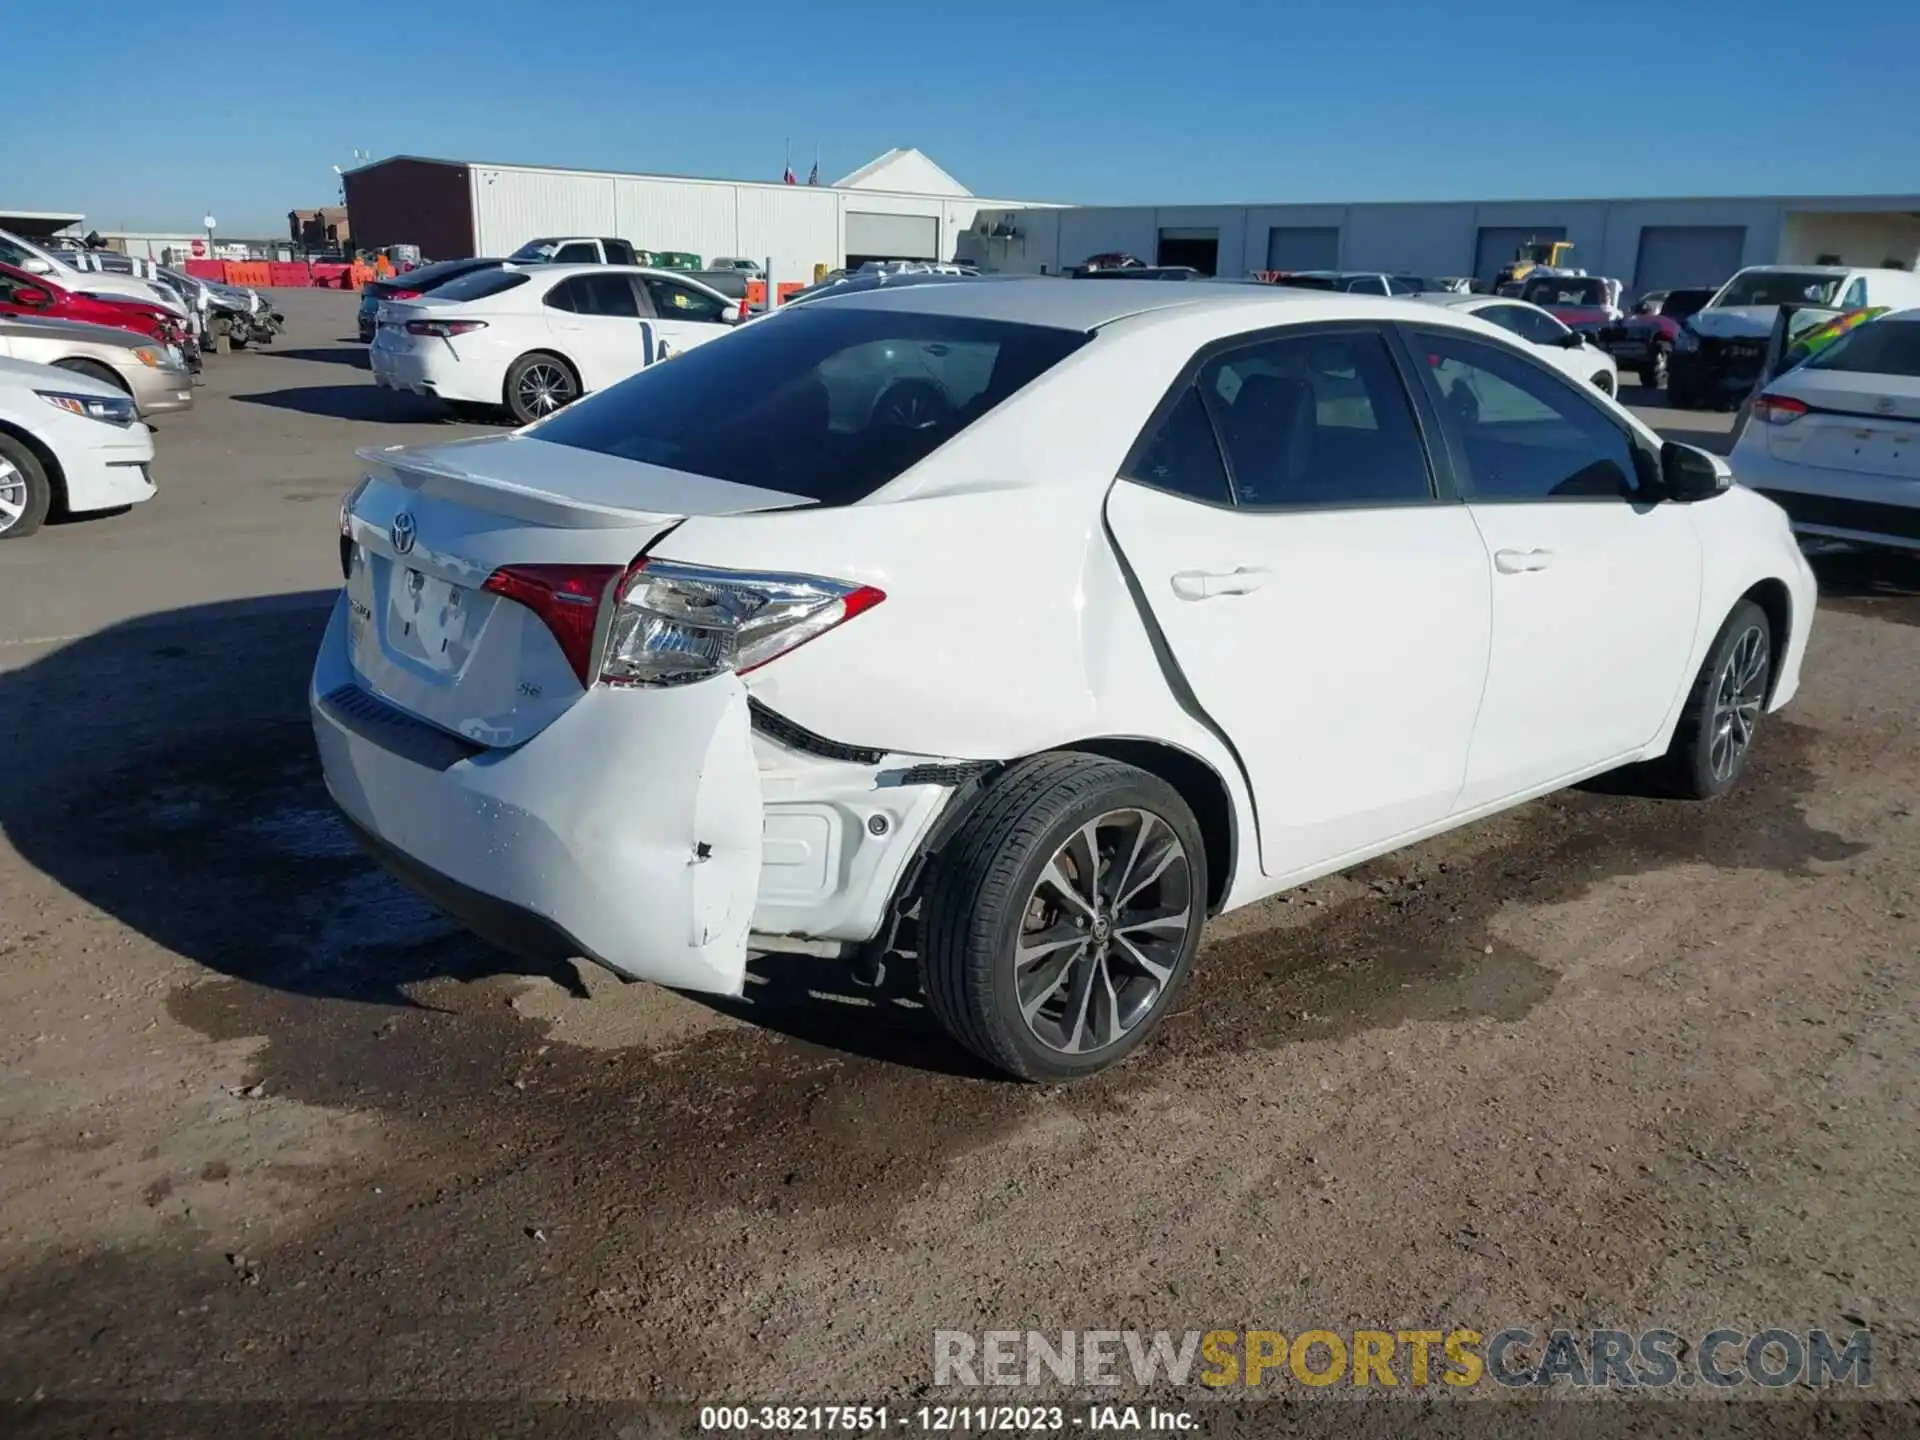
point(272, 1128)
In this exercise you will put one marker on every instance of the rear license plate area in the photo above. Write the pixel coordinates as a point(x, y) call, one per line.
point(430, 621)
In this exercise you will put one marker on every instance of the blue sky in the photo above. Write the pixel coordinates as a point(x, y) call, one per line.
point(1118, 102)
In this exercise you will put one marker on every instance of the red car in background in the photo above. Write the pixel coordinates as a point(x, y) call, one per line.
point(1644, 340)
point(1586, 303)
point(28, 296)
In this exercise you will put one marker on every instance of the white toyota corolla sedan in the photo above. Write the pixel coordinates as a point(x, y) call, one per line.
point(1066, 615)
point(533, 338)
point(1560, 347)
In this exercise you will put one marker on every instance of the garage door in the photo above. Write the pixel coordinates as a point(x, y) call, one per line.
point(893, 237)
point(1499, 242)
point(1675, 255)
point(1303, 247)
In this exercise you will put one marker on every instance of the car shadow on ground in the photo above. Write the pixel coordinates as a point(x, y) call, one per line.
point(352, 402)
point(353, 359)
point(208, 829)
point(1877, 584)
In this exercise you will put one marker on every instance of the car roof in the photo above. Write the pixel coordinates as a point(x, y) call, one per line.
point(1066, 304)
point(561, 272)
point(1453, 300)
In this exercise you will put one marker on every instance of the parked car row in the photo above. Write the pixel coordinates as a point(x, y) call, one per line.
point(89, 351)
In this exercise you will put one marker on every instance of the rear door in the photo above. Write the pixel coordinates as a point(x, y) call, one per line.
point(1325, 605)
point(1596, 588)
point(598, 322)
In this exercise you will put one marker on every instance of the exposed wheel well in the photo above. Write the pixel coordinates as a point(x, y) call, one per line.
point(1773, 598)
point(56, 478)
point(1199, 785)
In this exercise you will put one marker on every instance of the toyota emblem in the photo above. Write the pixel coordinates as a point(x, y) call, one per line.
point(401, 532)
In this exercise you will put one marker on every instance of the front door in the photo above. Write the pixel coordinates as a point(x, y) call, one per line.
point(1328, 612)
point(684, 316)
point(1596, 586)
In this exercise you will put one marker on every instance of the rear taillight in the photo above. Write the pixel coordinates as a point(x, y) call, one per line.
point(402, 294)
point(444, 328)
point(675, 624)
point(566, 597)
point(1778, 409)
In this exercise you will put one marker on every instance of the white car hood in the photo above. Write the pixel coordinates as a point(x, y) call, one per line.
point(126, 287)
point(26, 374)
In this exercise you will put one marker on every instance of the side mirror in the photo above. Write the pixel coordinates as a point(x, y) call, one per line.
point(33, 295)
point(36, 265)
point(1688, 473)
point(1572, 340)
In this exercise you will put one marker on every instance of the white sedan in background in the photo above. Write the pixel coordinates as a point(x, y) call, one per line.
point(67, 442)
point(537, 337)
point(1067, 615)
point(1836, 440)
point(1556, 344)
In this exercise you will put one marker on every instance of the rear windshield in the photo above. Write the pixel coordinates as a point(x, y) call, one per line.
point(442, 272)
point(480, 284)
point(1780, 287)
point(1310, 282)
point(1565, 290)
point(830, 402)
point(1882, 347)
point(1682, 303)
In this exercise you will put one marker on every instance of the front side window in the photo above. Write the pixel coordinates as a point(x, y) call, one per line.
point(1316, 419)
point(674, 301)
point(1523, 433)
point(828, 403)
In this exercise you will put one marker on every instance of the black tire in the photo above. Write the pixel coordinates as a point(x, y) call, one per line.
point(1653, 376)
point(21, 473)
point(985, 887)
point(521, 376)
point(1694, 765)
point(1680, 393)
point(94, 370)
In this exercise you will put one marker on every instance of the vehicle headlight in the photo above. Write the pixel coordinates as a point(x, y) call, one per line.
point(115, 410)
point(1686, 340)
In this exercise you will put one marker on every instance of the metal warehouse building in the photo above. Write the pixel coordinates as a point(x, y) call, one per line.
point(1648, 244)
point(900, 206)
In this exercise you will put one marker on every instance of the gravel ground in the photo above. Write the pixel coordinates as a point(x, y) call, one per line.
point(271, 1128)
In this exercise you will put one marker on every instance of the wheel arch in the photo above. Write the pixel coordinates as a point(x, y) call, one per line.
point(49, 462)
point(96, 369)
point(1776, 602)
point(1198, 783)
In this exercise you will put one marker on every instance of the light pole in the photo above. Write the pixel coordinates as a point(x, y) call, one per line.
point(207, 220)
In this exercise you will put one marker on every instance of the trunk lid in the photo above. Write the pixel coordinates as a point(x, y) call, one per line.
point(1860, 423)
point(432, 524)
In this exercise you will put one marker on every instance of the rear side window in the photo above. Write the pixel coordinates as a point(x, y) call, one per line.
point(1880, 347)
point(480, 284)
point(1182, 456)
point(1316, 420)
point(828, 403)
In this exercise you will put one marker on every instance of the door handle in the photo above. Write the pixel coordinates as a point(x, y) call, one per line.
point(1521, 562)
point(1205, 584)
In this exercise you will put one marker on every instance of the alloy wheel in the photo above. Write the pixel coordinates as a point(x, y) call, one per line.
point(911, 408)
point(13, 494)
point(1739, 690)
point(545, 388)
point(1103, 931)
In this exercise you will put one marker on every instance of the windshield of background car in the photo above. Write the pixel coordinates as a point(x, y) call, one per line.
point(1881, 347)
point(1566, 290)
point(830, 403)
point(536, 250)
point(479, 284)
point(1682, 303)
point(1780, 287)
point(1310, 282)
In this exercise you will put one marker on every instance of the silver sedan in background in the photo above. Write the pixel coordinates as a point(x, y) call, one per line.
point(155, 375)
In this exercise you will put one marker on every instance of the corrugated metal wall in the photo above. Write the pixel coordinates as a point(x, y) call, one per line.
point(511, 207)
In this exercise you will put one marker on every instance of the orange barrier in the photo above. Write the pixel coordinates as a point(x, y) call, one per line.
point(756, 292)
point(207, 269)
point(359, 275)
point(249, 272)
point(333, 277)
point(786, 288)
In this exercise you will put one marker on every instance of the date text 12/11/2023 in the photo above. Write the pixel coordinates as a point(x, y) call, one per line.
point(944, 1419)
